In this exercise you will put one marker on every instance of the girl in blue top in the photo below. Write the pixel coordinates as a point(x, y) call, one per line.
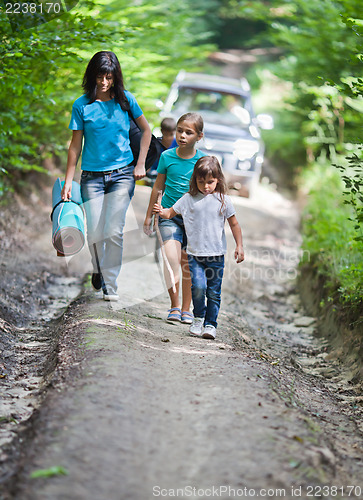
point(174, 172)
point(101, 121)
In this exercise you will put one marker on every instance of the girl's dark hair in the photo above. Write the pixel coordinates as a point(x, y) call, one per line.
point(195, 118)
point(104, 63)
point(208, 165)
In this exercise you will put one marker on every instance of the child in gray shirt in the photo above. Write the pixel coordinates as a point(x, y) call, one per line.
point(205, 209)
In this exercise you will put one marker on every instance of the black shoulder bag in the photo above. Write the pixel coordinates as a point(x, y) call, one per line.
point(155, 148)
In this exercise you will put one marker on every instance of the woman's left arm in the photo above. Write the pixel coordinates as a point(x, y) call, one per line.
point(139, 170)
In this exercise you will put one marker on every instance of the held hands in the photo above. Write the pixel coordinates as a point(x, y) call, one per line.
point(157, 208)
point(163, 212)
point(239, 254)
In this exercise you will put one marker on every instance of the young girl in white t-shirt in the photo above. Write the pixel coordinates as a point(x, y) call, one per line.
point(204, 210)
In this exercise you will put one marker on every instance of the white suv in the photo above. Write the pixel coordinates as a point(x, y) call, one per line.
point(231, 129)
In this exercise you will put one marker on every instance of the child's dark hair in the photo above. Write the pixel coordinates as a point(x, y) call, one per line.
point(104, 63)
point(205, 166)
point(195, 118)
point(168, 124)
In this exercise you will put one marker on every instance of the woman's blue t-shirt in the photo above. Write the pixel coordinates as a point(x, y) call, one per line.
point(105, 128)
point(178, 172)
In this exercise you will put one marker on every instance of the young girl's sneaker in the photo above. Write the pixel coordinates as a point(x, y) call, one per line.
point(209, 332)
point(196, 327)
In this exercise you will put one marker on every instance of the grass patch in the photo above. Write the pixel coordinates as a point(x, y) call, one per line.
point(51, 472)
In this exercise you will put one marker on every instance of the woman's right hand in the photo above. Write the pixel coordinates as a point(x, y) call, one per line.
point(147, 226)
point(66, 192)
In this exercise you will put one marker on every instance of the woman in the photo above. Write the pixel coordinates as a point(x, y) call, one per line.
point(101, 120)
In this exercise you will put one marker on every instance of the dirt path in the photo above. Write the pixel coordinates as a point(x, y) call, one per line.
point(138, 409)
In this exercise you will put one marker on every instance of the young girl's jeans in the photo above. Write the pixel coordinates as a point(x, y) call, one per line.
point(206, 274)
point(106, 197)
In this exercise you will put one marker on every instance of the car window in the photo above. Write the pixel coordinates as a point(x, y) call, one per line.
point(217, 107)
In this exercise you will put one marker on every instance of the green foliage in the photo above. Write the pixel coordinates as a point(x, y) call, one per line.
point(353, 194)
point(284, 146)
point(321, 44)
point(319, 117)
point(42, 68)
point(35, 89)
point(57, 470)
point(330, 235)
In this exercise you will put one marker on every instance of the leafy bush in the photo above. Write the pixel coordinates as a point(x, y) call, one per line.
point(330, 234)
point(36, 88)
point(42, 68)
point(321, 117)
point(353, 194)
point(320, 64)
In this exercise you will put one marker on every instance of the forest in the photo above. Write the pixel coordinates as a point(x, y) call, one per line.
point(314, 80)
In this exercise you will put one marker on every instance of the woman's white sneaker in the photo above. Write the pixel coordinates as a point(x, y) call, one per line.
point(196, 327)
point(209, 332)
point(114, 297)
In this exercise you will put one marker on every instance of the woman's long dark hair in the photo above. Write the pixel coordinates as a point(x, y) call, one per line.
point(208, 165)
point(104, 63)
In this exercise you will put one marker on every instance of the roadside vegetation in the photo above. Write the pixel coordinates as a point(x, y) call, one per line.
point(332, 240)
point(315, 87)
point(42, 62)
point(316, 95)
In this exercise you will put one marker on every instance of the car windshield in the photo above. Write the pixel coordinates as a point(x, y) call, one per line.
point(215, 107)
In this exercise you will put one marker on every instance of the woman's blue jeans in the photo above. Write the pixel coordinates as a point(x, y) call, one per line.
point(207, 275)
point(106, 197)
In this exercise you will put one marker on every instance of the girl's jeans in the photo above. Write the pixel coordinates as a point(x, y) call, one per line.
point(206, 274)
point(106, 197)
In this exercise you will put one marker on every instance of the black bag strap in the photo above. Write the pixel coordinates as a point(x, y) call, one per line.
point(63, 201)
point(131, 116)
point(130, 112)
point(155, 145)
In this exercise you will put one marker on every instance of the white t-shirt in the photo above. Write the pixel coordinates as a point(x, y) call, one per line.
point(204, 222)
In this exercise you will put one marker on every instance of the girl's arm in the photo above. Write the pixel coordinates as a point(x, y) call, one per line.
point(239, 254)
point(158, 186)
point(139, 170)
point(74, 151)
point(165, 213)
